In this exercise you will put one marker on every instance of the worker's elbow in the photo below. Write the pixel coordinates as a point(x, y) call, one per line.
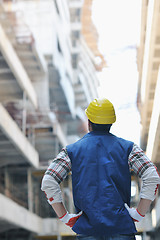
point(48, 182)
point(44, 183)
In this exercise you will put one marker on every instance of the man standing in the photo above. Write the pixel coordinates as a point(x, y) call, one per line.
point(101, 165)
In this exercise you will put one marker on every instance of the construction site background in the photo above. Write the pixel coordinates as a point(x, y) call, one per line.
point(48, 76)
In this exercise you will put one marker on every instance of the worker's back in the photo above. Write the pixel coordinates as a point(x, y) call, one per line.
point(101, 184)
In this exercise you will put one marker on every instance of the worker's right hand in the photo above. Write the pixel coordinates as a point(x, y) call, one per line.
point(70, 219)
point(133, 212)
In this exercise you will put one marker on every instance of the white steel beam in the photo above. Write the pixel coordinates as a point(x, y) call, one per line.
point(12, 131)
point(154, 129)
point(18, 216)
point(16, 67)
point(147, 70)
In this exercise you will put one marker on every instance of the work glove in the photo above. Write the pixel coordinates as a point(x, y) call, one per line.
point(70, 219)
point(133, 212)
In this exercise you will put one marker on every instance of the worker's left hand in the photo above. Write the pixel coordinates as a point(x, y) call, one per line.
point(133, 212)
point(70, 219)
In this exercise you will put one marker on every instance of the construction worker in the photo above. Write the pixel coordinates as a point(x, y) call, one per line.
point(101, 165)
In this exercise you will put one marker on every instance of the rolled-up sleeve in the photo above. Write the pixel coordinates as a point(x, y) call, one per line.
point(150, 182)
point(55, 174)
point(51, 189)
point(146, 170)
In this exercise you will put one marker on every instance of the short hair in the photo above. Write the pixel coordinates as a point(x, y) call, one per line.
point(100, 127)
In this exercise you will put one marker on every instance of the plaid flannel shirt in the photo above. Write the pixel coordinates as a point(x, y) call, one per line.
point(137, 161)
point(61, 165)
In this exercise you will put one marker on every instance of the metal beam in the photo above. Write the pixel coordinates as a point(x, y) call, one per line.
point(154, 129)
point(16, 215)
point(16, 67)
point(12, 131)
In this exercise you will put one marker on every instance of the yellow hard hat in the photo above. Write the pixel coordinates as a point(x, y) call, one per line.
point(101, 111)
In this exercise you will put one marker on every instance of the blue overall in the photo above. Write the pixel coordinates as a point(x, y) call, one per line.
point(101, 184)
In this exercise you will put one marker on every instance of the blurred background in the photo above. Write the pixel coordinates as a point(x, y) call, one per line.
point(55, 57)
